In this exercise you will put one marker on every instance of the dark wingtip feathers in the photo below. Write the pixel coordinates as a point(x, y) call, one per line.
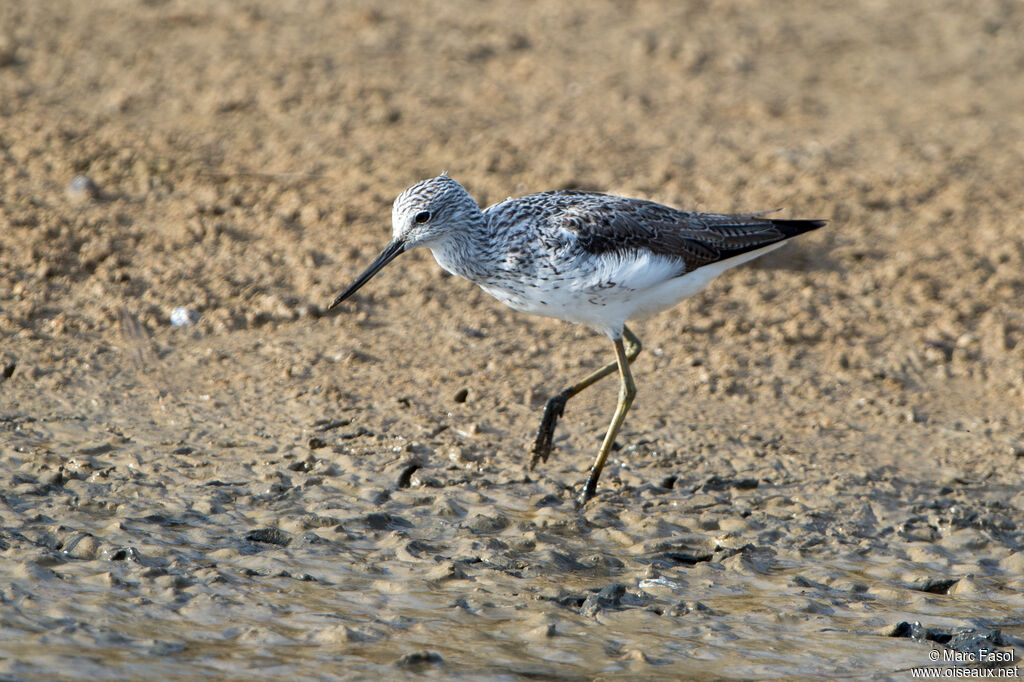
point(791, 228)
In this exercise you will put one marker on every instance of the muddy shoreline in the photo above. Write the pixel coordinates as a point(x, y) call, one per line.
point(820, 476)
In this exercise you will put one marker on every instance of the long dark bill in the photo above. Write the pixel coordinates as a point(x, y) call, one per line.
point(390, 252)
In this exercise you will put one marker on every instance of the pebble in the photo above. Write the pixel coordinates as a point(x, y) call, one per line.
point(184, 317)
point(488, 524)
point(419, 658)
point(610, 596)
point(269, 536)
point(84, 547)
point(385, 521)
point(82, 189)
point(683, 608)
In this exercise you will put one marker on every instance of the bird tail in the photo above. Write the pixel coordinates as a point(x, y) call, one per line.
point(791, 228)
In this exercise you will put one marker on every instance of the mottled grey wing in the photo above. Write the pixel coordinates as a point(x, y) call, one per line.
point(608, 224)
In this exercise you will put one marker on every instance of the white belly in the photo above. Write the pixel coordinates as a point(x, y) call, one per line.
point(605, 293)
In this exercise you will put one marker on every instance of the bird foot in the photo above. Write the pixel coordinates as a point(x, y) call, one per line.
point(542, 446)
point(588, 492)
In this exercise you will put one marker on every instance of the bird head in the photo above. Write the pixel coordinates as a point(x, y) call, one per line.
point(423, 215)
point(427, 211)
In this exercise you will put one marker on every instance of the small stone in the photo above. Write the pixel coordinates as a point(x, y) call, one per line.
point(488, 524)
point(609, 597)
point(385, 521)
point(269, 536)
point(82, 189)
point(461, 395)
point(184, 317)
point(97, 449)
point(84, 546)
point(683, 608)
point(419, 658)
point(128, 553)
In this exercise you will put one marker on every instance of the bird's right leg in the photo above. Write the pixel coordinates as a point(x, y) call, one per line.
point(556, 403)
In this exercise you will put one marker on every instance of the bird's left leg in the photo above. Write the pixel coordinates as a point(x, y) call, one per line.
point(556, 403)
point(627, 391)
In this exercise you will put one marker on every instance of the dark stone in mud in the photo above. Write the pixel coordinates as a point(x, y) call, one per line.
point(980, 645)
point(686, 558)
point(609, 597)
point(122, 554)
point(377, 496)
point(686, 551)
point(316, 443)
point(100, 449)
point(323, 425)
point(311, 538)
point(418, 658)
point(683, 608)
point(977, 646)
point(910, 630)
point(385, 521)
point(488, 524)
point(935, 585)
point(358, 433)
point(161, 520)
point(549, 500)
point(716, 483)
point(560, 561)
point(317, 521)
point(572, 601)
point(613, 596)
point(304, 465)
point(269, 536)
point(420, 549)
point(461, 395)
point(748, 559)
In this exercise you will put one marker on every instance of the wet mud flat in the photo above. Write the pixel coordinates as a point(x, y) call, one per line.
point(170, 533)
point(820, 476)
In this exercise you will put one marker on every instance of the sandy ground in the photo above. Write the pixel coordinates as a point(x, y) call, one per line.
point(821, 474)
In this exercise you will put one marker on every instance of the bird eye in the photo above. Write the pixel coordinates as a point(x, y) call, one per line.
point(422, 217)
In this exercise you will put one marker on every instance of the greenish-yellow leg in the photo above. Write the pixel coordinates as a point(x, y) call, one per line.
point(627, 392)
point(556, 403)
